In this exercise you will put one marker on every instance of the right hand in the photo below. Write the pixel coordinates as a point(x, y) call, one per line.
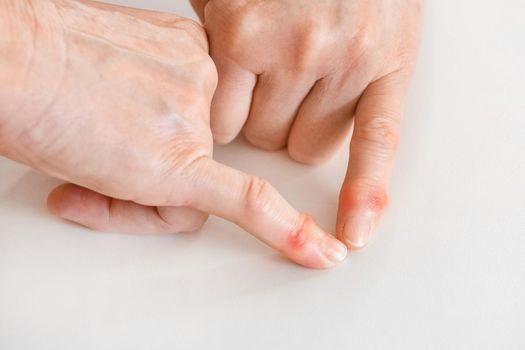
point(116, 101)
point(299, 73)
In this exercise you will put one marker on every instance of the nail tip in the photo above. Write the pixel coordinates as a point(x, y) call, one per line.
point(353, 244)
point(357, 232)
point(339, 254)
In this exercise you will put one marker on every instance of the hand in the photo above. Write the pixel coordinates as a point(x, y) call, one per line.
point(296, 72)
point(117, 101)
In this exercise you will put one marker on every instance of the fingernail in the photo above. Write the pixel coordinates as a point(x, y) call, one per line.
point(357, 231)
point(334, 250)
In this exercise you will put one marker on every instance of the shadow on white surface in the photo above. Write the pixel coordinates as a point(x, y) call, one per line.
point(445, 271)
point(29, 193)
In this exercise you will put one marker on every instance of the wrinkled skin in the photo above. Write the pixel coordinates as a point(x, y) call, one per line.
point(301, 73)
point(124, 115)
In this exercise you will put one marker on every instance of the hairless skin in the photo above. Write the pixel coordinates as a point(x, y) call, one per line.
point(116, 102)
point(300, 73)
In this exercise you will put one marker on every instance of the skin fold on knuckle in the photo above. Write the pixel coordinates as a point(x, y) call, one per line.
point(258, 197)
point(310, 47)
point(295, 242)
point(380, 134)
point(297, 239)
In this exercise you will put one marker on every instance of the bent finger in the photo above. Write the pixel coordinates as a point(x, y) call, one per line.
point(363, 196)
point(102, 213)
point(253, 204)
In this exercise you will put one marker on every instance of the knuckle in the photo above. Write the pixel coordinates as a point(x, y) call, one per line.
point(298, 238)
point(203, 75)
point(375, 199)
point(359, 47)
point(191, 104)
point(381, 133)
point(251, 15)
point(258, 194)
point(361, 43)
point(209, 75)
point(315, 35)
point(309, 46)
point(193, 29)
point(240, 23)
point(314, 158)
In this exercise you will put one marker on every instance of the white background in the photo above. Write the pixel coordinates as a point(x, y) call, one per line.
point(446, 270)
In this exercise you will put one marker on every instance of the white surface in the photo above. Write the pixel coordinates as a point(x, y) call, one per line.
point(446, 270)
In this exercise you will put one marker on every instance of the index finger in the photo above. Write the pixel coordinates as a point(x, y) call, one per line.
point(253, 204)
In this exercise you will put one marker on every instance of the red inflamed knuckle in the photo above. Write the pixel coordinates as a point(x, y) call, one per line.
point(362, 193)
point(297, 238)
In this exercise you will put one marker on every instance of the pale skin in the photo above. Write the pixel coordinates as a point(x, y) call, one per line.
point(300, 73)
point(123, 115)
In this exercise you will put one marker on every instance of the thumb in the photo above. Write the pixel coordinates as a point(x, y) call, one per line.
point(253, 204)
point(363, 195)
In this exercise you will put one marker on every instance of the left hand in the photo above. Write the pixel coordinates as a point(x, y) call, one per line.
point(294, 73)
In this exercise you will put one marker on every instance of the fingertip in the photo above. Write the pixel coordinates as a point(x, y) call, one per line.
point(70, 201)
point(220, 137)
point(308, 159)
point(61, 199)
point(312, 247)
point(359, 213)
point(183, 219)
point(357, 231)
point(54, 200)
point(335, 251)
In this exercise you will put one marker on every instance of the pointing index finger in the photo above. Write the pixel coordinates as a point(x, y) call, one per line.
point(252, 203)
